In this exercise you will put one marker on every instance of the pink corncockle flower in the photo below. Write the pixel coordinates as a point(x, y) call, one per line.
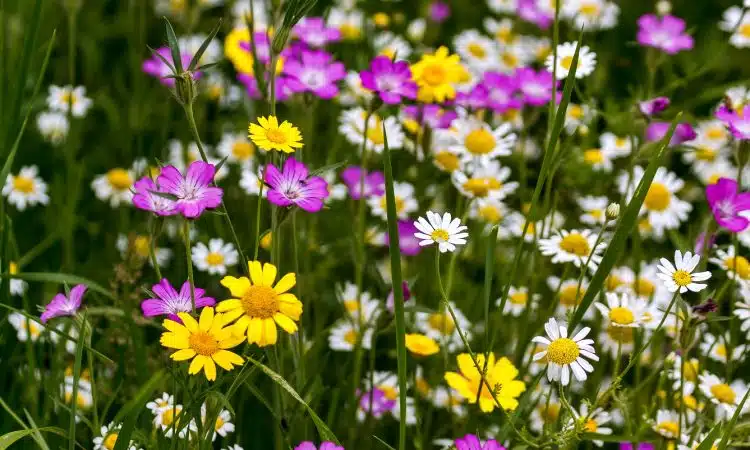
point(62, 305)
point(391, 80)
point(325, 445)
point(726, 204)
point(292, 186)
point(638, 446)
point(314, 32)
point(147, 198)
point(251, 86)
point(155, 67)
point(500, 92)
point(432, 115)
point(314, 72)
point(193, 192)
point(374, 182)
point(654, 106)
point(472, 442)
point(169, 302)
point(536, 87)
point(439, 11)
point(737, 122)
point(530, 12)
point(262, 46)
point(667, 33)
point(375, 402)
point(682, 133)
point(408, 244)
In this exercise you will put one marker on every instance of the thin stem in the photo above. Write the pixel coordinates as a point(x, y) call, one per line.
point(189, 258)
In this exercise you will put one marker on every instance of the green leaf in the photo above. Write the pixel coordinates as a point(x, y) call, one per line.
point(60, 278)
point(133, 408)
point(321, 170)
point(174, 47)
point(8, 439)
point(625, 226)
point(325, 433)
point(708, 441)
point(383, 442)
point(203, 47)
point(163, 59)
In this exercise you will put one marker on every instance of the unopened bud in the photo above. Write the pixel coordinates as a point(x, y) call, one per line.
point(613, 211)
point(663, 7)
point(185, 88)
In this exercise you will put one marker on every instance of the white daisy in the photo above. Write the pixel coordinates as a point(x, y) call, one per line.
point(392, 46)
point(648, 287)
point(368, 306)
point(620, 279)
point(502, 30)
point(736, 266)
point(564, 354)
point(53, 126)
point(513, 226)
point(61, 98)
point(236, 148)
point(447, 398)
point(683, 373)
point(348, 22)
point(621, 310)
point(703, 158)
point(692, 443)
point(26, 188)
point(84, 397)
point(440, 326)
point(565, 52)
point(223, 425)
point(503, 6)
point(352, 126)
point(219, 89)
point(546, 413)
point(488, 210)
point(569, 295)
point(667, 423)
point(17, 287)
point(737, 22)
point(590, 14)
point(518, 300)
point(445, 231)
point(716, 348)
point(578, 247)
point(478, 143)
point(165, 401)
point(415, 30)
point(115, 186)
point(251, 182)
point(139, 248)
point(353, 93)
point(488, 180)
point(680, 276)
point(615, 146)
point(216, 257)
point(171, 419)
point(591, 422)
point(344, 336)
point(711, 133)
point(594, 209)
point(478, 51)
point(514, 54)
point(598, 159)
point(403, 194)
point(742, 310)
point(577, 118)
point(108, 437)
point(726, 397)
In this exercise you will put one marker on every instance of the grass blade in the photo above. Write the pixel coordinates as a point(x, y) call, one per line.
point(732, 422)
point(712, 435)
point(11, 438)
point(173, 47)
point(202, 49)
point(60, 278)
point(131, 411)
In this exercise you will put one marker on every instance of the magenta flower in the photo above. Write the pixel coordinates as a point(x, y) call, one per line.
point(432, 115)
point(315, 72)
point(639, 446)
point(169, 302)
point(155, 67)
point(439, 11)
point(536, 87)
point(194, 193)
point(379, 405)
point(701, 242)
point(147, 198)
point(251, 86)
point(64, 306)
point(325, 445)
point(500, 92)
point(408, 244)
point(262, 46)
point(293, 187)
point(471, 442)
point(726, 204)
point(654, 106)
point(374, 182)
point(314, 32)
point(530, 12)
point(667, 33)
point(738, 123)
point(391, 80)
point(683, 132)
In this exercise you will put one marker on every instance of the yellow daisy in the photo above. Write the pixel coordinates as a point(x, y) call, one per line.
point(204, 341)
point(436, 75)
point(421, 345)
point(260, 305)
point(501, 375)
point(269, 135)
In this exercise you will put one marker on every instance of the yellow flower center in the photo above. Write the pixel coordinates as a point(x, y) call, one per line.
point(568, 296)
point(597, 214)
point(549, 413)
point(490, 213)
point(589, 9)
point(644, 288)
point(351, 305)
point(349, 31)
point(80, 399)
point(480, 187)
point(215, 92)
point(622, 335)
point(203, 343)
point(576, 244)
point(265, 241)
point(739, 265)
point(505, 35)
point(509, 59)
point(682, 278)
point(562, 351)
point(434, 74)
point(422, 386)
point(621, 142)
point(351, 337)
point(716, 133)
point(243, 150)
point(400, 203)
point(168, 415)
point(119, 179)
point(260, 301)
point(745, 30)
point(12, 268)
point(276, 136)
point(658, 197)
point(110, 441)
point(593, 156)
point(440, 235)
point(375, 135)
point(447, 161)
point(477, 50)
point(613, 282)
point(215, 259)
point(690, 370)
point(69, 98)
point(485, 392)
point(566, 62)
point(590, 426)
point(389, 391)
point(669, 428)
point(519, 298)
point(381, 19)
point(575, 111)
point(141, 246)
point(621, 316)
point(723, 393)
point(480, 142)
point(442, 323)
point(721, 350)
point(705, 154)
point(23, 184)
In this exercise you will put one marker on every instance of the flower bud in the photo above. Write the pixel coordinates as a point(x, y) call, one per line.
point(663, 7)
point(613, 211)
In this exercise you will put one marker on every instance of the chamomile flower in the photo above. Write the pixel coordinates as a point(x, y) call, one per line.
point(615, 146)
point(598, 159)
point(621, 310)
point(546, 413)
point(711, 134)
point(53, 126)
point(576, 246)
point(352, 126)
point(26, 189)
point(358, 304)
point(268, 134)
point(648, 287)
point(488, 210)
point(345, 334)
point(594, 210)
point(617, 340)
point(223, 425)
point(62, 98)
point(446, 231)
point(478, 143)
point(448, 398)
point(115, 186)
point(251, 181)
point(440, 326)
point(17, 286)
point(577, 118)
point(497, 387)
point(564, 62)
point(725, 396)
point(488, 180)
point(742, 311)
point(501, 30)
point(591, 422)
point(236, 148)
point(165, 401)
point(590, 14)
point(667, 423)
point(348, 22)
point(403, 194)
point(683, 373)
point(84, 397)
point(565, 355)
point(26, 328)
point(736, 266)
point(503, 6)
point(214, 258)
point(569, 294)
point(108, 438)
point(513, 226)
point(716, 348)
point(518, 300)
point(736, 21)
point(391, 45)
point(479, 52)
point(680, 276)
point(137, 246)
point(171, 418)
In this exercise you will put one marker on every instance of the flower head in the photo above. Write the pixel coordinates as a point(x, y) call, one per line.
point(684, 132)
point(193, 191)
point(316, 72)
point(445, 231)
point(726, 203)
point(62, 305)
point(169, 302)
point(654, 106)
point(373, 182)
point(667, 33)
point(565, 52)
point(269, 135)
point(564, 354)
point(314, 32)
point(680, 276)
point(64, 98)
point(472, 442)
point(392, 80)
point(421, 345)
point(26, 188)
point(293, 186)
point(436, 75)
point(500, 376)
point(738, 121)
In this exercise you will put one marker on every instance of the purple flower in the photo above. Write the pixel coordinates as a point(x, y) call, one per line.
point(325, 445)
point(374, 182)
point(390, 302)
point(701, 241)
point(155, 67)
point(683, 132)
point(146, 197)
point(639, 446)
point(315, 72)
point(251, 86)
point(194, 193)
point(408, 244)
point(536, 87)
point(439, 11)
point(654, 106)
point(530, 12)
point(170, 302)
point(314, 32)
point(433, 115)
point(293, 187)
point(665, 33)
point(500, 92)
point(391, 80)
point(381, 404)
point(471, 442)
point(726, 204)
point(737, 122)
point(64, 306)
point(262, 47)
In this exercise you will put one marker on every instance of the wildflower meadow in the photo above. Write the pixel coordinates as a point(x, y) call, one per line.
point(374, 224)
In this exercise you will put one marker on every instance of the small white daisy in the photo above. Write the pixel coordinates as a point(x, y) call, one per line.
point(391, 45)
point(736, 21)
point(440, 326)
point(680, 276)
point(478, 51)
point(577, 118)
point(578, 247)
point(139, 247)
point(565, 52)
point(53, 126)
point(594, 210)
point(61, 98)
point(348, 22)
point(725, 396)
point(518, 300)
point(546, 413)
point(736, 266)
point(216, 257)
point(115, 186)
point(487, 180)
point(590, 14)
point(446, 231)
point(742, 311)
point(447, 398)
point(26, 188)
point(564, 354)
point(716, 348)
point(404, 198)
point(171, 419)
point(165, 401)
point(352, 126)
point(26, 328)
point(366, 306)
point(223, 425)
point(615, 146)
point(503, 6)
point(621, 310)
point(108, 437)
point(682, 373)
point(17, 287)
point(667, 423)
point(488, 210)
point(344, 336)
point(478, 143)
point(569, 295)
point(251, 182)
point(593, 422)
point(236, 148)
point(598, 159)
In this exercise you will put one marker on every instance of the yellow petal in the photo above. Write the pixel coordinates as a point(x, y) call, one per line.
point(183, 354)
point(486, 404)
point(269, 332)
point(255, 331)
point(285, 283)
point(256, 272)
point(504, 371)
point(513, 388)
point(189, 322)
point(290, 306)
point(467, 367)
point(209, 369)
point(197, 364)
point(238, 328)
point(269, 274)
point(231, 316)
point(285, 322)
point(206, 319)
point(171, 325)
point(228, 305)
point(273, 122)
point(237, 286)
point(226, 359)
point(263, 122)
point(173, 340)
point(461, 385)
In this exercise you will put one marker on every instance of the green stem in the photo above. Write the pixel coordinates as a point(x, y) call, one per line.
point(189, 259)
